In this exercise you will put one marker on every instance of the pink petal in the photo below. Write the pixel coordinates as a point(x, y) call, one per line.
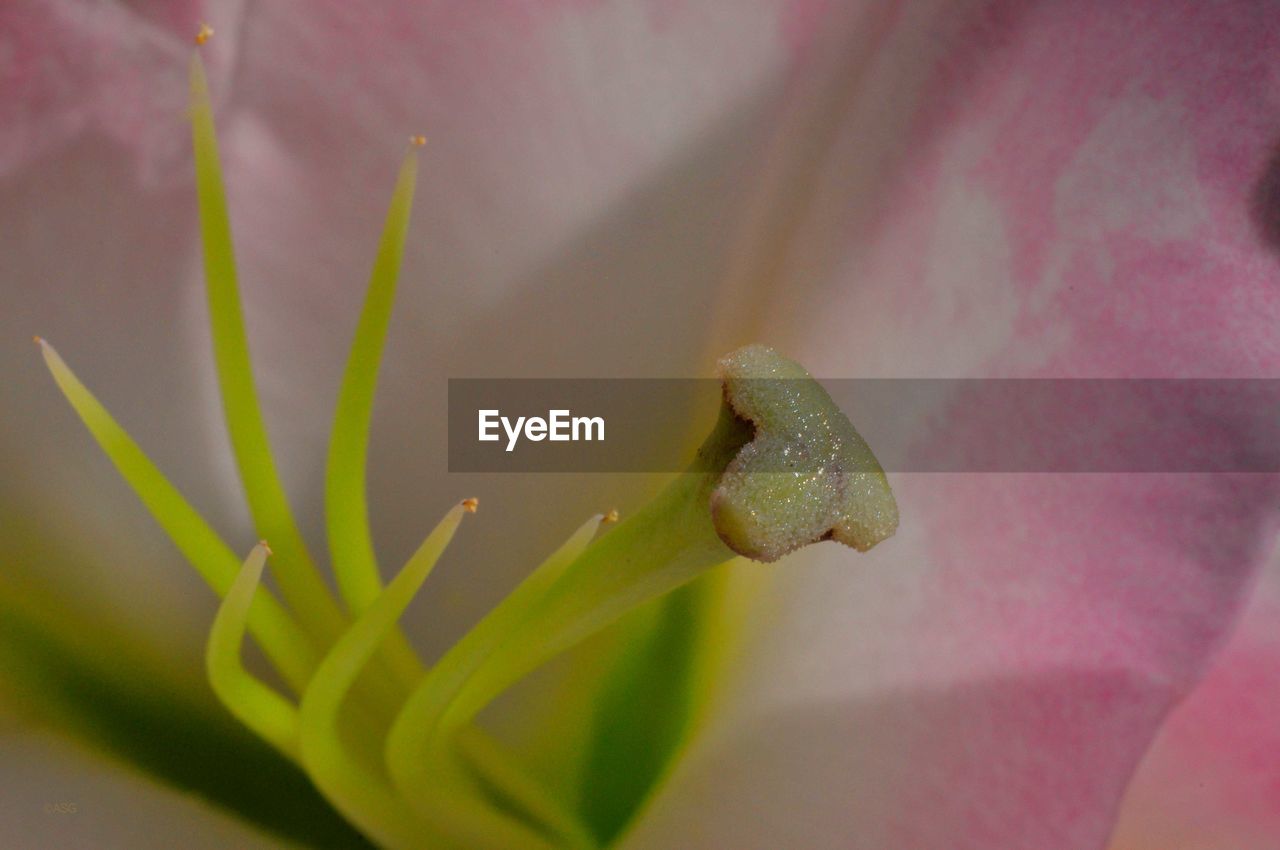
point(70, 69)
point(1076, 193)
point(1212, 778)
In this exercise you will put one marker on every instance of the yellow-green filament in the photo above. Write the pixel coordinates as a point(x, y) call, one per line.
point(355, 787)
point(346, 508)
point(299, 581)
point(412, 776)
point(413, 728)
point(495, 764)
point(252, 702)
point(284, 642)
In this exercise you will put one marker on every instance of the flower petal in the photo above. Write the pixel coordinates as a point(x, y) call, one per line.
point(1212, 778)
point(105, 70)
point(58, 795)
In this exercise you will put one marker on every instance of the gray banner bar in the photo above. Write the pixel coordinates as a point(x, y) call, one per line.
point(926, 425)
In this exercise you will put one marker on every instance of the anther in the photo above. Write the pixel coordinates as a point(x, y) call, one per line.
point(470, 505)
point(204, 33)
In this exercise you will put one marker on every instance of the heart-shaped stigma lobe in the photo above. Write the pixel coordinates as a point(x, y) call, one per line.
point(806, 475)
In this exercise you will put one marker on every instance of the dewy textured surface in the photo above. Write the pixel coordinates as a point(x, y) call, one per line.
point(807, 475)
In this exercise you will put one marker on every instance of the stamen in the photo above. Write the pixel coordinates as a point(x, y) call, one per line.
point(355, 565)
point(417, 141)
point(355, 789)
point(523, 791)
point(204, 34)
point(346, 505)
point(451, 675)
point(295, 570)
point(279, 635)
point(251, 701)
point(358, 790)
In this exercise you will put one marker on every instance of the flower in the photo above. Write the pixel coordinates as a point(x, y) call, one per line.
point(926, 189)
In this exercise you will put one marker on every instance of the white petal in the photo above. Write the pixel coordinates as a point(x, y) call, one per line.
point(55, 794)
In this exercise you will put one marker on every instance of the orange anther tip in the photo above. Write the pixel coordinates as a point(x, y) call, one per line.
point(38, 340)
point(470, 505)
point(204, 34)
point(265, 547)
point(612, 516)
point(417, 141)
